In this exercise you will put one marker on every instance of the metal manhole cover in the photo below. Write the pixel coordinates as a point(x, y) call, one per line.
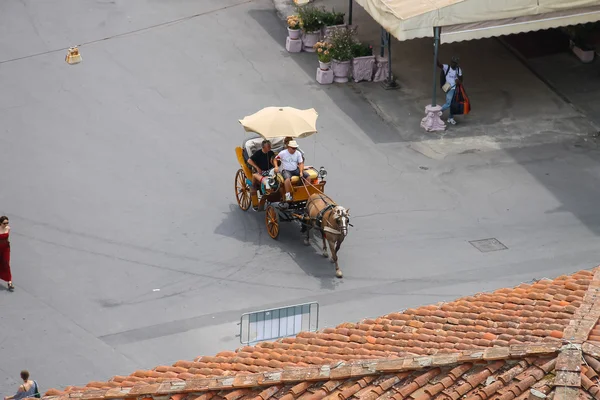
point(487, 245)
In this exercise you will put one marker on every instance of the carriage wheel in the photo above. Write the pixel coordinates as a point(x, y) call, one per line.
point(242, 190)
point(272, 221)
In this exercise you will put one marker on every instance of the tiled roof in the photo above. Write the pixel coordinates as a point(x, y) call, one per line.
point(513, 339)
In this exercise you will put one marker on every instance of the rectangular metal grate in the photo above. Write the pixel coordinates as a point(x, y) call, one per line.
point(278, 322)
point(488, 245)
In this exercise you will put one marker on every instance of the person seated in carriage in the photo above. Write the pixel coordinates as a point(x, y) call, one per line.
point(285, 145)
point(262, 160)
point(292, 164)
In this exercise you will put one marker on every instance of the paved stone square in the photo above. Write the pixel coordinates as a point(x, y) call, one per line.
point(128, 250)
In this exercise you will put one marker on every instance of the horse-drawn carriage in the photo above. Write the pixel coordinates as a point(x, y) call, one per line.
point(308, 205)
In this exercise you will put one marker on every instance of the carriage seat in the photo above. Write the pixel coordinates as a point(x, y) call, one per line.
point(254, 144)
point(312, 175)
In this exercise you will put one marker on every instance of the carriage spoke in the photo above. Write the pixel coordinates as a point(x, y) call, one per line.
point(242, 191)
point(272, 222)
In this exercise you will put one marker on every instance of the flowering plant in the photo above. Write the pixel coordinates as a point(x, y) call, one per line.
point(342, 44)
point(310, 18)
point(323, 51)
point(293, 22)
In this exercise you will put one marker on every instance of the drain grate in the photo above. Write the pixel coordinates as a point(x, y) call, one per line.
point(488, 245)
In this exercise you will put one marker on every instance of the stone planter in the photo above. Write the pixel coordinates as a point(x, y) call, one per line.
point(341, 70)
point(326, 31)
point(294, 34)
point(324, 66)
point(324, 77)
point(362, 68)
point(585, 55)
point(381, 69)
point(309, 39)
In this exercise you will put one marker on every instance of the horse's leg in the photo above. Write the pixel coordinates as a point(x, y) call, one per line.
point(334, 247)
point(307, 235)
point(323, 236)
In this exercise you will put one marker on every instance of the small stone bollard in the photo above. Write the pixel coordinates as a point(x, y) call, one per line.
point(293, 45)
point(324, 77)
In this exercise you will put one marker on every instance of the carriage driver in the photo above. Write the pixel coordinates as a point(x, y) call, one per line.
point(262, 161)
point(292, 164)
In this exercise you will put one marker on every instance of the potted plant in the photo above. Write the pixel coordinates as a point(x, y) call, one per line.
point(363, 62)
point(579, 35)
point(324, 53)
point(311, 23)
point(293, 22)
point(342, 42)
point(332, 20)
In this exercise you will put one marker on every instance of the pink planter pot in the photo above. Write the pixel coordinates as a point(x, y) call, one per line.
point(585, 56)
point(309, 39)
point(324, 66)
point(294, 34)
point(341, 70)
point(362, 68)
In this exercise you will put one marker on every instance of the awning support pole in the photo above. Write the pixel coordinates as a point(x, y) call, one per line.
point(349, 12)
point(390, 82)
point(382, 47)
point(436, 47)
point(432, 121)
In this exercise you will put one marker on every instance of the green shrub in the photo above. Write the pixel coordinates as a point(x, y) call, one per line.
point(331, 18)
point(361, 50)
point(311, 18)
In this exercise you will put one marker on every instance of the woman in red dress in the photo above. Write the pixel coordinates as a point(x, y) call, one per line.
point(5, 274)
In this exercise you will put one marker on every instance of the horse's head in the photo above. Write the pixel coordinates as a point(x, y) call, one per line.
point(342, 217)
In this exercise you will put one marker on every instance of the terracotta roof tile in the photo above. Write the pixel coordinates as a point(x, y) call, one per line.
point(509, 323)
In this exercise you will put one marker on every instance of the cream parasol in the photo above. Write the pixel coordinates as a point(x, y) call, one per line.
point(276, 122)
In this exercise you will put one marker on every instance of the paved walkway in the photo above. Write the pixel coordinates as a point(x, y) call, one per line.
point(577, 82)
point(511, 106)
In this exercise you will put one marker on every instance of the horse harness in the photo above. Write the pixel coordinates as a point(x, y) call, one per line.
point(319, 219)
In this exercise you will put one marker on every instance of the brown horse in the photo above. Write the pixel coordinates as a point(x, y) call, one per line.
point(331, 220)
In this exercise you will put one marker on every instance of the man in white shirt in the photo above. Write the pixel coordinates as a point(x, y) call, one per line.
point(453, 76)
point(292, 164)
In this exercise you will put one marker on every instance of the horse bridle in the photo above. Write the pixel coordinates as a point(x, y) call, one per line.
point(342, 218)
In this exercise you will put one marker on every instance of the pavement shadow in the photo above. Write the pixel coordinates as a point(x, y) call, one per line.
point(249, 227)
point(570, 174)
point(508, 101)
point(344, 95)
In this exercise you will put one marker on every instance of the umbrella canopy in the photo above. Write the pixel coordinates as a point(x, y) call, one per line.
point(274, 122)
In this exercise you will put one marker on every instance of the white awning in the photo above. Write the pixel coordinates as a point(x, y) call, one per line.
point(475, 19)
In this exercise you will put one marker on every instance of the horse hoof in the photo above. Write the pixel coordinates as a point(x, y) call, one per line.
point(306, 243)
point(325, 255)
point(338, 274)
